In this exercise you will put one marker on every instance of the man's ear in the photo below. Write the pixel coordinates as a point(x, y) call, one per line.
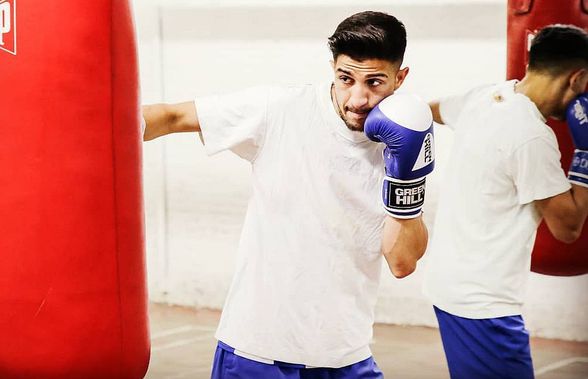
point(579, 81)
point(400, 76)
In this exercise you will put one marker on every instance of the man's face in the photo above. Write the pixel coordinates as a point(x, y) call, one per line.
point(361, 85)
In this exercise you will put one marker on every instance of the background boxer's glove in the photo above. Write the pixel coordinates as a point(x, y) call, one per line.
point(577, 117)
point(405, 124)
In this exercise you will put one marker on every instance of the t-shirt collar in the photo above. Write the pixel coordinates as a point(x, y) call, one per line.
point(510, 86)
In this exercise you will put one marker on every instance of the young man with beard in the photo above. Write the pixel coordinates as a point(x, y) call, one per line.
point(301, 304)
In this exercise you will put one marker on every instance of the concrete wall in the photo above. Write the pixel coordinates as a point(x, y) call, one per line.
point(195, 204)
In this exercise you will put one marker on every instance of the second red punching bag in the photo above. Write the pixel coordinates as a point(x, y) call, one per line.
point(73, 301)
point(525, 17)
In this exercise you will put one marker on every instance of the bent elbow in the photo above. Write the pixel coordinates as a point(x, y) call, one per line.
point(399, 274)
point(568, 236)
point(402, 269)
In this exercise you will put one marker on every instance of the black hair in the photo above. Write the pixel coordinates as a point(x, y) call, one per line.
point(369, 35)
point(559, 48)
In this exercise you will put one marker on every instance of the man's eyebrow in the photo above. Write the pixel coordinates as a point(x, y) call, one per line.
point(345, 71)
point(377, 75)
point(368, 76)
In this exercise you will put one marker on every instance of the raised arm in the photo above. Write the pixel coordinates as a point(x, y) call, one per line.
point(162, 119)
point(404, 123)
point(566, 213)
point(403, 243)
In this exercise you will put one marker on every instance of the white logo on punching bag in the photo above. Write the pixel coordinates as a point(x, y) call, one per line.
point(427, 153)
point(8, 26)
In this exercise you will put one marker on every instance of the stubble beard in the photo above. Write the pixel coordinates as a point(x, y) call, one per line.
point(354, 127)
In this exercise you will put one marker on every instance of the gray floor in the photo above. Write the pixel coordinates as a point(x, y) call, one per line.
point(183, 345)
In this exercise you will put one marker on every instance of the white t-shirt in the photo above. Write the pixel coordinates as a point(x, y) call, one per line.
point(309, 257)
point(504, 157)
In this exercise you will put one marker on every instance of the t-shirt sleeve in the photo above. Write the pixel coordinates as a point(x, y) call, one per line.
point(450, 107)
point(536, 170)
point(235, 122)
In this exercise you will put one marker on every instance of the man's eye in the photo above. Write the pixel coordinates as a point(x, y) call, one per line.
point(374, 83)
point(345, 79)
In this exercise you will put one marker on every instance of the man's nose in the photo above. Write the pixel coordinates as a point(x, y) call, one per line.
point(359, 97)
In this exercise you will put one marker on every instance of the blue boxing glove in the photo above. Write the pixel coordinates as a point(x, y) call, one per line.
point(405, 124)
point(577, 117)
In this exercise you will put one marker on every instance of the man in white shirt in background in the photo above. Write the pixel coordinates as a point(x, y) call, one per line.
point(301, 304)
point(503, 177)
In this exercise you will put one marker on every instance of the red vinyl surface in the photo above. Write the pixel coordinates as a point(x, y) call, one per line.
point(73, 299)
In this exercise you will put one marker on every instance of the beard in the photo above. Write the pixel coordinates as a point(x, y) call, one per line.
point(355, 125)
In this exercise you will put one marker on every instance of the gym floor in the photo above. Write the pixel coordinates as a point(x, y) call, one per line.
point(183, 345)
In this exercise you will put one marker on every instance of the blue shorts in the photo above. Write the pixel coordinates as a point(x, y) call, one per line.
point(492, 348)
point(227, 365)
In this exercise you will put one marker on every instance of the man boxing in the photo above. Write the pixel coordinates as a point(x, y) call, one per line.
point(503, 177)
point(302, 299)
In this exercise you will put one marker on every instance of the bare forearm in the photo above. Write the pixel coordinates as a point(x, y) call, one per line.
point(565, 214)
point(580, 209)
point(580, 195)
point(403, 243)
point(162, 119)
point(157, 121)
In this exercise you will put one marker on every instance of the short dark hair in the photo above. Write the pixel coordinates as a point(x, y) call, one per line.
point(369, 35)
point(559, 48)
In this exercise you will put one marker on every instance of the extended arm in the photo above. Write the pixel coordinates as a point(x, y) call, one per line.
point(403, 243)
point(162, 119)
point(452, 106)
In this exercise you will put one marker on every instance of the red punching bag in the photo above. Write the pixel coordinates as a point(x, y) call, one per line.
point(525, 17)
point(73, 301)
